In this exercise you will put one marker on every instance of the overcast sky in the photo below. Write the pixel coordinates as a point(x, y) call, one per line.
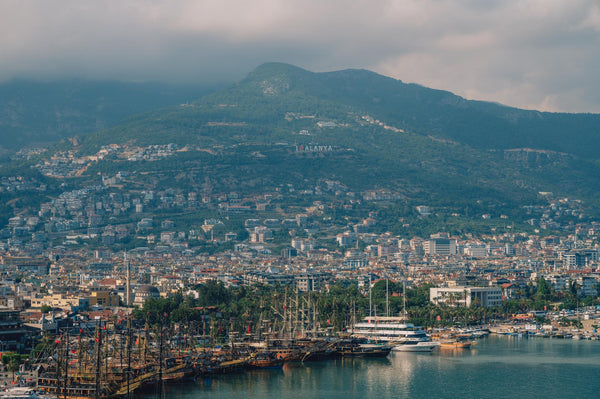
point(536, 54)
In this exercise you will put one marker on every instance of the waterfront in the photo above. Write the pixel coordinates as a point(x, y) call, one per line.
point(498, 367)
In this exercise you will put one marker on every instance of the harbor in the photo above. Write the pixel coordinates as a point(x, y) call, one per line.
point(119, 362)
point(498, 366)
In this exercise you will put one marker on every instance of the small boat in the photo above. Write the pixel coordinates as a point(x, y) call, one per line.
point(457, 344)
point(21, 393)
point(290, 355)
point(415, 346)
point(354, 348)
point(265, 360)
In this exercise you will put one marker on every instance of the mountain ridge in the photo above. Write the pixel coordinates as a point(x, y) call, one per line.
point(453, 117)
point(43, 112)
point(425, 145)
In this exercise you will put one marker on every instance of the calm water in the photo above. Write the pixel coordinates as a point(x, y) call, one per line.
point(498, 367)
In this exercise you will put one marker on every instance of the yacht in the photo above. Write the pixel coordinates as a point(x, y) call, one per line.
point(21, 393)
point(405, 337)
point(415, 346)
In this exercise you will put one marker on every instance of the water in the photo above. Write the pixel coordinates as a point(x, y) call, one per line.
point(498, 367)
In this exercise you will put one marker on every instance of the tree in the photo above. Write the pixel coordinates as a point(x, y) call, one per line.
point(12, 361)
point(543, 288)
point(573, 288)
point(45, 308)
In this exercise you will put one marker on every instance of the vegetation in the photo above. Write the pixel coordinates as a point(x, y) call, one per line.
point(240, 307)
point(46, 308)
point(12, 361)
point(42, 112)
point(449, 154)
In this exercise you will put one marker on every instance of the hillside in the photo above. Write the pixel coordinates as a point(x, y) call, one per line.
point(37, 113)
point(286, 129)
point(385, 133)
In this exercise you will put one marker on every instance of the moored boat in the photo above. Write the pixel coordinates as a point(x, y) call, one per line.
point(415, 346)
point(457, 344)
point(21, 393)
point(356, 348)
point(388, 328)
point(265, 360)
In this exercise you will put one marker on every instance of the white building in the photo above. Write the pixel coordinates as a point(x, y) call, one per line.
point(466, 296)
point(588, 286)
point(440, 246)
point(475, 251)
point(346, 239)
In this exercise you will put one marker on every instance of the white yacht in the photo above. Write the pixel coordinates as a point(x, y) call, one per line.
point(415, 346)
point(406, 337)
point(20, 393)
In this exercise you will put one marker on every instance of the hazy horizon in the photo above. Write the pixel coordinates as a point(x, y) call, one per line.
point(529, 54)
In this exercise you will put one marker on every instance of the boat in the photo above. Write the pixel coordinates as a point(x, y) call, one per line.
point(358, 348)
point(393, 330)
point(408, 345)
point(457, 344)
point(387, 329)
point(265, 360)
point(21, 393)
point(404, 337)
point(318, 351)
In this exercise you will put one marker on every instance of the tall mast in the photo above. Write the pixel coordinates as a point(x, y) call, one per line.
point(98, 358)
point(404, 298)
point(370, 299)
point(128, 283)
point(160, 360)
point(66, 362)
point(387, 301)
point(129, 339)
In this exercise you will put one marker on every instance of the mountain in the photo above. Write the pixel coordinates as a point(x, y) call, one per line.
point(441, 114)
point(285, 128)
point(34, 113)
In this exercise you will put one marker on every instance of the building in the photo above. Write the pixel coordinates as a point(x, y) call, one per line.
point(311, 282)
point(387, 249)
point(466, 296)
point(579, 259)
point(476, 251)
point(104, 298)
point(267, 278)
point(355, 263)
point(62, 301)
point(37, 266)
point(440, 246)
point(13, 334)
point(424, 210)
point(588, 286)
point(145, 292)
point(346, 239)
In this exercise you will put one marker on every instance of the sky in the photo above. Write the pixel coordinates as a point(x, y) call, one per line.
point(534, 54)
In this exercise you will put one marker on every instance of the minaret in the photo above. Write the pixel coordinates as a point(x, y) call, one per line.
point(128, 287)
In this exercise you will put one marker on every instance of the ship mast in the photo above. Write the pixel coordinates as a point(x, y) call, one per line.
point(128, 283)
point(66, 362)
point(404, 298)
point(160, 359)
point(370, 299)
point(387, 301)
point(98, 359)
point(129, 339)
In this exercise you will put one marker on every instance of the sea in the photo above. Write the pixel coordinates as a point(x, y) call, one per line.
point(497, 367)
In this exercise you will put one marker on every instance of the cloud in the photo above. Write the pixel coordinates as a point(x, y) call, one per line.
point(539, 54)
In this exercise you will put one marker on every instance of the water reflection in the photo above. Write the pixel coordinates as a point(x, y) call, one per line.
point(500, 367)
